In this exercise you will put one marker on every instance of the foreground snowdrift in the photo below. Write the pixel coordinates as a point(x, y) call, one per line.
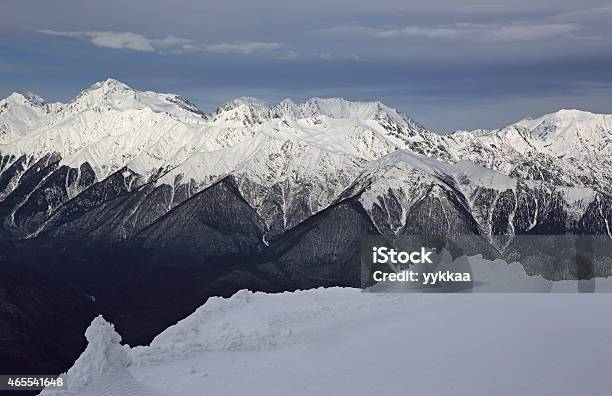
point(343, 341)
point(102, 368)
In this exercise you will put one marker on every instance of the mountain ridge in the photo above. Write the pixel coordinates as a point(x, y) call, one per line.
point(292, 160)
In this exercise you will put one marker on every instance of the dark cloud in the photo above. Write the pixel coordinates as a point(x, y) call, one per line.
point(450, 64)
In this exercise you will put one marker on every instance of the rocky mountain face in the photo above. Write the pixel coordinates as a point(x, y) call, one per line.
point(108, 165)
point(150, 205)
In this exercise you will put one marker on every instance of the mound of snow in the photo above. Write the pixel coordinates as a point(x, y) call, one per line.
point(346, 342)
point(102, 369)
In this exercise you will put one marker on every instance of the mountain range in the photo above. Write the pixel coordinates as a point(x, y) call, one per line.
point(143, 205)
point(288, 161)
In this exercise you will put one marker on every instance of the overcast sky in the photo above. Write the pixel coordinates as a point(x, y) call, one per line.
point(449, 64)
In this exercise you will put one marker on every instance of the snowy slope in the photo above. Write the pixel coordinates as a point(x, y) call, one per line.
point(574, 133)
point(107, 125)
point(342, 341)
point(112, 118)
point(397, 183)
point(20, 113)
point(568, 147)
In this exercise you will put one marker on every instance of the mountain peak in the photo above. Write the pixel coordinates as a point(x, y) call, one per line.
point(337, 107)
point(334, 107)
point(14, 97)
point(560, 119)
point(560, 115)
point(246, 101)
point(103, 91)
point(569, 115)
point(21, 113)
point(287, 102)
point(34, 99)
point(111, 82)
point(25, 98)
point(287, 108)
point(573, 113)
point(244, 110)
point(111, 94)
point(108, 85)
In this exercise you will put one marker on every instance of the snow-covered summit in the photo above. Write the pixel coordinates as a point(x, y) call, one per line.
point(249, 111)
point(241, 112)
point(343, 109)
point(287, 108)
point(546, 125)
point(568, 147)
point(246, 101)
point(109, 124)
point(340, 108)
point(574, 133)
point(113, 95)
point(20, 113)
point(108, 85)
point(26, 98)
point(561, 116)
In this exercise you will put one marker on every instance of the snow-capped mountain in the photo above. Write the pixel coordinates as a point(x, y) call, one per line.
point(290, 161)
point(289, 164)
point(107, 125)
point(571, 133)
point(569, 147)
point(21, 113)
